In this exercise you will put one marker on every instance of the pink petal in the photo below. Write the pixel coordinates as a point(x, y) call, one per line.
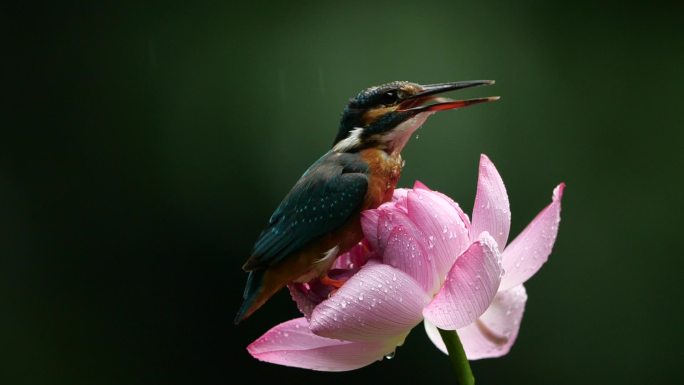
point(369, 225)
point(377, 225)
point(354, 258)
point(493, 334)
point(463, 216)
point(377, 303)
point(404, 246)
point(406, 251)
point(529, 250)
point(437, 218)
point(435, 337)
point(305, 304)
point(292, 344)
point(469, 288)
point(491, 212)
point(399, 198)
point(384, 228)
point(388, 218)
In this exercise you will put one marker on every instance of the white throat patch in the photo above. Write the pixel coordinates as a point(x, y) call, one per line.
point(395, 139)
point(400, 135)
point(350, 142)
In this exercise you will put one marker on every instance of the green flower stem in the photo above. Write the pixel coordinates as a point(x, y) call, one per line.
point(457, 356)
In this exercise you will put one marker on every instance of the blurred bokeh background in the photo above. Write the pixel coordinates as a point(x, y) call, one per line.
point(144, 146)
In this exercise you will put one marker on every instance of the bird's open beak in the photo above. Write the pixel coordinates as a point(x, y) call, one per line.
point(417, 103)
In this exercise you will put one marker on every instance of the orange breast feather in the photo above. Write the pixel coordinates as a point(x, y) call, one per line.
point(384, 174)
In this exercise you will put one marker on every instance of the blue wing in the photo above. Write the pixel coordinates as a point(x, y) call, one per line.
point(323, 199)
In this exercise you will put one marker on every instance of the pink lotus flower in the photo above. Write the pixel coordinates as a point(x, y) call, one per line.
point(422, 259)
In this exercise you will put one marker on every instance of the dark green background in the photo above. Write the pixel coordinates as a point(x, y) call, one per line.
point(143, 147)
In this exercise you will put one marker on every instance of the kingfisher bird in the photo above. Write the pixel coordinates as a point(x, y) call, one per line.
point(319, 219)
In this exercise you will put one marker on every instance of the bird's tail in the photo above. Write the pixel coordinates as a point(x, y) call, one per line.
point(254, 295)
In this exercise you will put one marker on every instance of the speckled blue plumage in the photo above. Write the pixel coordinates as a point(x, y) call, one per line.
point(323, 199)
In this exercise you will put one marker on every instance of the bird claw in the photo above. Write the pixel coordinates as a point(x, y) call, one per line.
point(336, 283)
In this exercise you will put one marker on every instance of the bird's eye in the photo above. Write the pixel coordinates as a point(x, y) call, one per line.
point(389, 97)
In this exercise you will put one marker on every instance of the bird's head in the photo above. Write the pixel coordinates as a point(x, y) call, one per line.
point(385, 116)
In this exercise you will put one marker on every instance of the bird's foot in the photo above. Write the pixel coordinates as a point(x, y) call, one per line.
point(336, 283)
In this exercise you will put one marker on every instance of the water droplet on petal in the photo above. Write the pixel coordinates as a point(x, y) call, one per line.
point(390, 355)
